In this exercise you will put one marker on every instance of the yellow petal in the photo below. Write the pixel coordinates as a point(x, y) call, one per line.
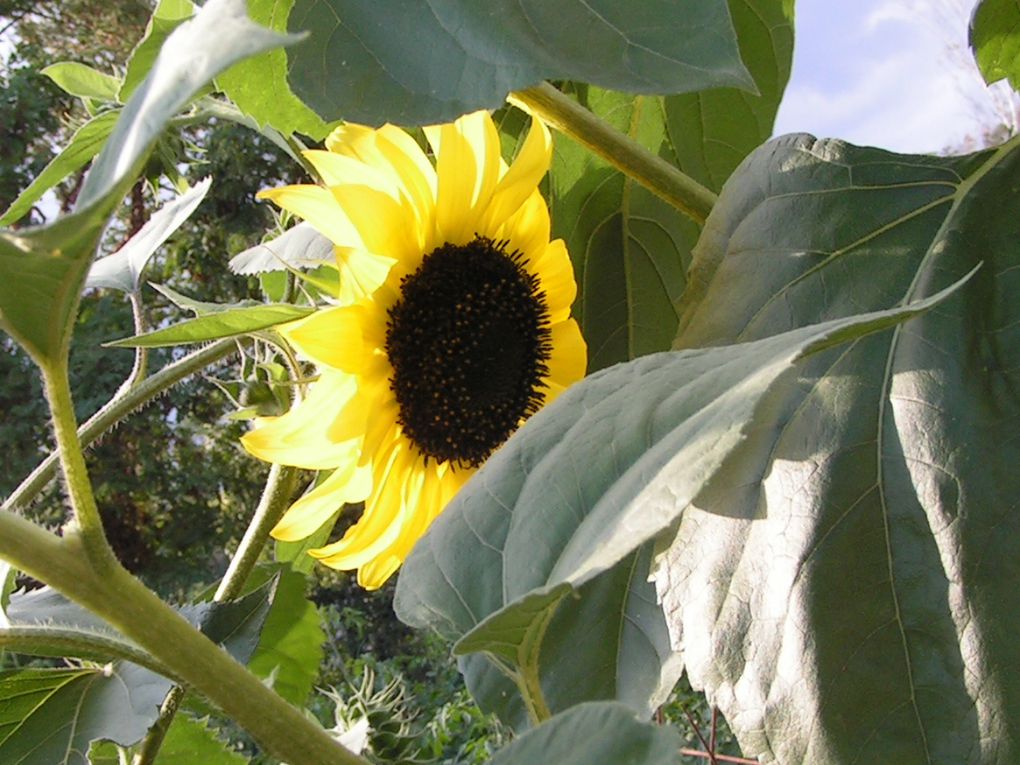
point(347, 484)
point(319, 207)
point(523, 177)
point(527, 230)
point(301, 436)
point(569, 356)
point(556, 275)
point(361, 273)
point(467, 166)
point(333, 337)
point(337, 169)
point(387, 227)
point(385, 513)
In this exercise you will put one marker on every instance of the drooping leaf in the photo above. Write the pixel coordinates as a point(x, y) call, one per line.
point(166, 17)
point(300, 247)
point(188, 742)
point(83, 81)
point(195, 52)
point(995, 38)
point(123, 269)
point(630, 249)
point(594, 733)
point(259, 84)
point(228, 323)
point(290, 647)
point(604, 469)
point(84, 145)
point(51, 716)
point(433, 60)
point(41, 274)
point(861, 549)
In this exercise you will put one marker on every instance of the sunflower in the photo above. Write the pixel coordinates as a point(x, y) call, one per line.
point(452, 326)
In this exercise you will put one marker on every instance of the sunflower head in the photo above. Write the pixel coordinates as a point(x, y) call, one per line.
point(452, 327)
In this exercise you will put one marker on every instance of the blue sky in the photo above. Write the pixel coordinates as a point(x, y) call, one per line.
point(890, 73)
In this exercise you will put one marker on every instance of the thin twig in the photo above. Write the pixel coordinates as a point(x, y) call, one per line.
point(697, 732)
point(719, 757)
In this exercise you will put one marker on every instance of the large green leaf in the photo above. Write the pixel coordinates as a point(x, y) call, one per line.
point(631, 250)
point(259, 84)
point(594, 733)
point(995, 38)
point(84, 145)
point(846, 591)
point(604, 469)
point(50, 716)
point(432, 60)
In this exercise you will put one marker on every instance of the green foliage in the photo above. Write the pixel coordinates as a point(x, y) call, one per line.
point(229, 322)
point(258, 85)
point(188, 742)
point(630, 249)
point(995, 38)
point(50, 716)
point(593, 507)
point(431, 62)
point(83, 81)
point(578, 737)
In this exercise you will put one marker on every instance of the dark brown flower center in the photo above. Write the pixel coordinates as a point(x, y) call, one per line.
point(469, 343)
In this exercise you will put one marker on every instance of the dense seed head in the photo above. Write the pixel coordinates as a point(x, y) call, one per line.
point(469, 343)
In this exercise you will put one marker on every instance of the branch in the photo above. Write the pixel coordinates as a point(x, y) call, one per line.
point(618, 149)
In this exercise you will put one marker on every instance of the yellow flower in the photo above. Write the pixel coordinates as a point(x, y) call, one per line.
point(452, 327)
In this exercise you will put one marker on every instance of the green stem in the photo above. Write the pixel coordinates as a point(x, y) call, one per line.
point(45, 640)
point(117, 409)
point(116, 596)
point(276, 496)
point(86, 520)
point(619, 149)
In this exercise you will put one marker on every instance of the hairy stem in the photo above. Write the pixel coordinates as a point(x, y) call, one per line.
point(275, 499)
point(619, 149)
point(45, 640)
point(86, 520)
point(124, 602)
point(117, 409)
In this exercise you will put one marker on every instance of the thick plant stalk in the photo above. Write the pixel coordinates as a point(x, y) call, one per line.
point(620, 150)
point(276, 496)
point(117, 597)
point(117, 409)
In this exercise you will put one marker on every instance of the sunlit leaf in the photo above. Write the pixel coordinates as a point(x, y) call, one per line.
point(259, 84)
point(83, 81)
point(300, 247)
point(227, 323)
point(166, 17)
point(431, 61)
point(191, 56)
point(846, 588)
point(995, 38)
point(123, 269)
point(290, 648)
